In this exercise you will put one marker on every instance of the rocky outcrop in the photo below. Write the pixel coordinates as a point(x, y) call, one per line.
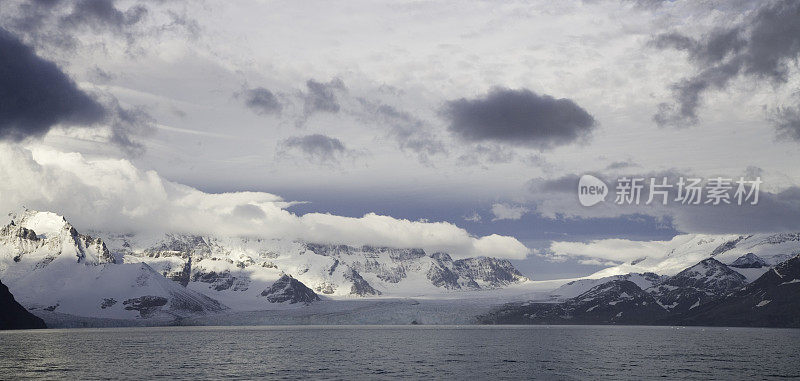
point(220, 281)
point(288, 289)
point(146, 305)
point(15, 316)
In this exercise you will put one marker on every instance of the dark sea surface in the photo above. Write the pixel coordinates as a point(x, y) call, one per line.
point(411, 352)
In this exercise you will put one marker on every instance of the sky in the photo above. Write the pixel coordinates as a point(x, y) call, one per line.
point(461, 126)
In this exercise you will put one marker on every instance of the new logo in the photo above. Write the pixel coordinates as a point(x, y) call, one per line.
point(591, 190)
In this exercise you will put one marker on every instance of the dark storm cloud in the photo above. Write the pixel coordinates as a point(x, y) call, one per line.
point(321, 97)
point(317, 147)
point(36, 95)
point(261, 101)
point(51, 24)
point(762, 47)
point(57, 25)
point(519, 117)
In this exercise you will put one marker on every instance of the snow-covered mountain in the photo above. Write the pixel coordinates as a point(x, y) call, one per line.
point(772, 300)
point(50, 266)
point(688, 249)
point(749, 261)
point(580, 286)
point(697, 285)
point(701, 283)
point(616, 301)
point(236, 270)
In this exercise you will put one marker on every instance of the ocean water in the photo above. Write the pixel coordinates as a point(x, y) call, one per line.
point(410, 352)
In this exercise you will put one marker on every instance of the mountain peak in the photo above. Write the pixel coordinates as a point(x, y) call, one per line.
point(46, 224)
point(288, 289)
point(749, 261)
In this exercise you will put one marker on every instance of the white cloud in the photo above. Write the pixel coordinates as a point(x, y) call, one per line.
point(112, 194)
point(618, 250)
point(508, 212)
point(474, 217)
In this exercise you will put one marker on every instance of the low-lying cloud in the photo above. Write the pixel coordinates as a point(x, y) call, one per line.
point(110, 194)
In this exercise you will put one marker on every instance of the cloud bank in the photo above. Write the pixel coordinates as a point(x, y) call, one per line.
point(778, 210)
point(109, 194)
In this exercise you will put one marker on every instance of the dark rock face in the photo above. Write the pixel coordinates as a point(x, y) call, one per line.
point(15, 316)
point(108, 302)
point(12, 230)
point(146, 305)
point(749, 261)
point(727, 246)
point(613, 302)
point(183, 276)
point(442, 276)
point(772, 300)
point(288, 289)
point(697, 285)
point(221, 281)
point(360, 286)
point(495, 272)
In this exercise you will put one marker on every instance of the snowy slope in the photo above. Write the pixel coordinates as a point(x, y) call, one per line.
point(686, 250)
point(236, 270)
point(577, 287)
point(702, 283)
point(57, 269)
point(52, 267)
